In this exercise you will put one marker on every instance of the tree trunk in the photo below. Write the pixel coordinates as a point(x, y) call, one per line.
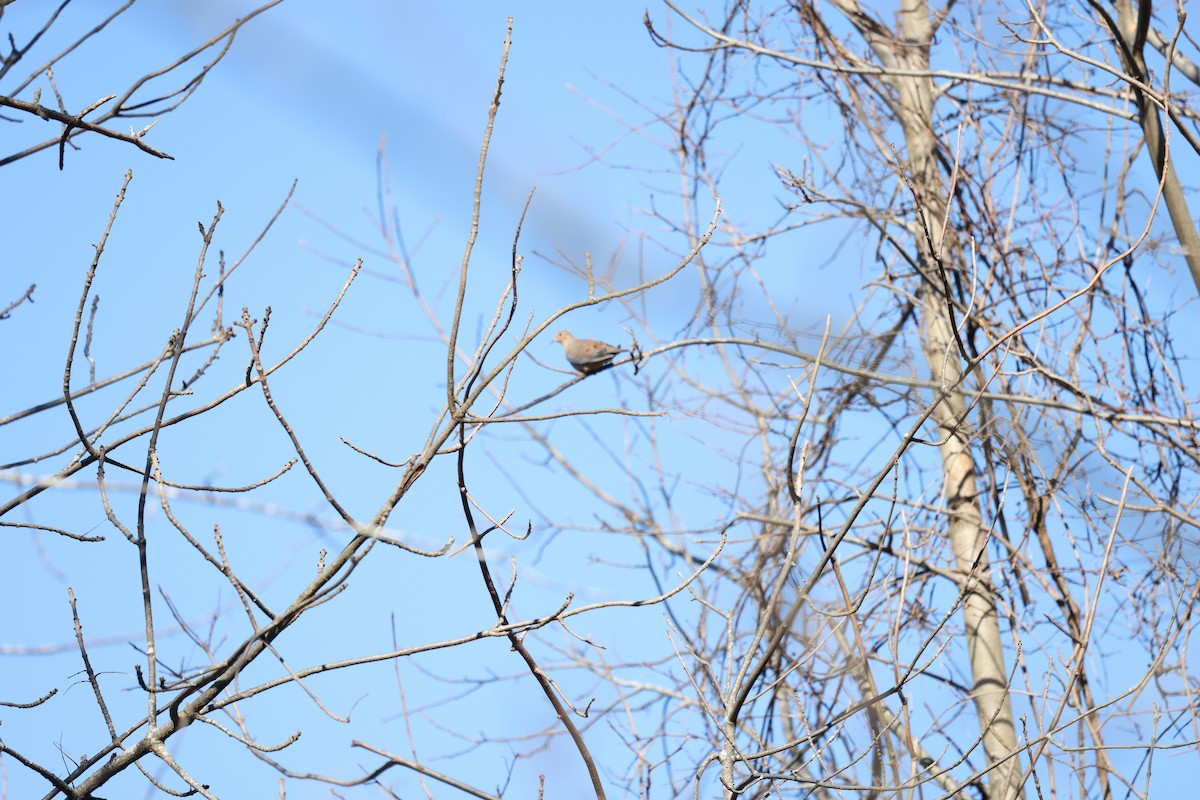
point(907, 56)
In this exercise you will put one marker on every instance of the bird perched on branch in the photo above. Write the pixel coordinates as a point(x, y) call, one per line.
point(587, 355)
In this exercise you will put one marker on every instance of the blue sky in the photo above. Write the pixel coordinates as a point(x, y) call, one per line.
point(306, 95)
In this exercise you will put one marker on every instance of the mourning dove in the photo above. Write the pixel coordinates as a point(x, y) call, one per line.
point(587, 355)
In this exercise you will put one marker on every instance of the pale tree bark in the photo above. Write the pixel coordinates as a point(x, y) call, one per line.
point(954, 150)
point(862, 554)
point(905, 54)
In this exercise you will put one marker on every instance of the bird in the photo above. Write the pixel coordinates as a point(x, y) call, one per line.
point(587, 355)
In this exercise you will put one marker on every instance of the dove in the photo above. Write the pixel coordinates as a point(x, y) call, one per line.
point(587, 355)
